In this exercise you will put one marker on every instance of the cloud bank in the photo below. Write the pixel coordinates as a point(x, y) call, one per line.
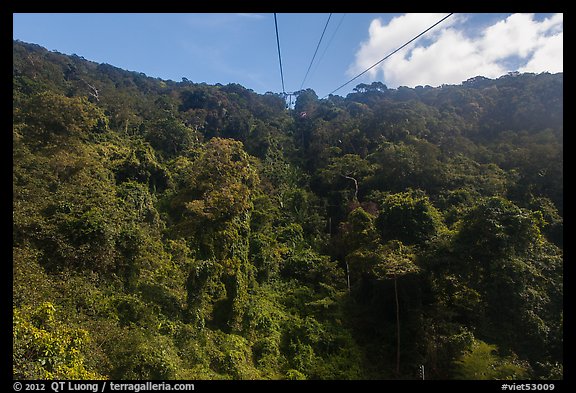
point(452, 52)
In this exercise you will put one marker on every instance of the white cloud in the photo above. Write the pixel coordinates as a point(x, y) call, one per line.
point(447, 54)
point(386, 38)
point(548, 56)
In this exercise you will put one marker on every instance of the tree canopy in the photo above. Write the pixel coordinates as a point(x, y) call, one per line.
point(181, 230)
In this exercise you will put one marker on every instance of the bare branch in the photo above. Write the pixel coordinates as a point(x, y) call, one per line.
point(355, 185)
point(94, 93)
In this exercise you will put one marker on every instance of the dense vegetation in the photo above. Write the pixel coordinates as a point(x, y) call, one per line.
point(175, 230)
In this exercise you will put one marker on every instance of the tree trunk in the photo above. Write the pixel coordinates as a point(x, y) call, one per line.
point(355, 185)
point(347, 275)
point(397, 327)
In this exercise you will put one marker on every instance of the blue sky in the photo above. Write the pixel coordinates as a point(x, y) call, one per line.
point(241, 48)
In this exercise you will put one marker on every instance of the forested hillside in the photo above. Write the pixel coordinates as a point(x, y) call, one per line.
point(179, 230)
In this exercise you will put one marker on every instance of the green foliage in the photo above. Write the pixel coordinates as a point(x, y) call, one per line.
point(220, 185)
point(27, 273)
point(497, 227)
point(141, 355)
point(171, 137)
point(139, 164)
point(358, 232)
point(45, 347)
point(235, 357)
point(411, 163)
point(50, 119)
point(495, 264)
point(348, 171)
point(175, 230)
point(481, 362)
point(408, 217)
